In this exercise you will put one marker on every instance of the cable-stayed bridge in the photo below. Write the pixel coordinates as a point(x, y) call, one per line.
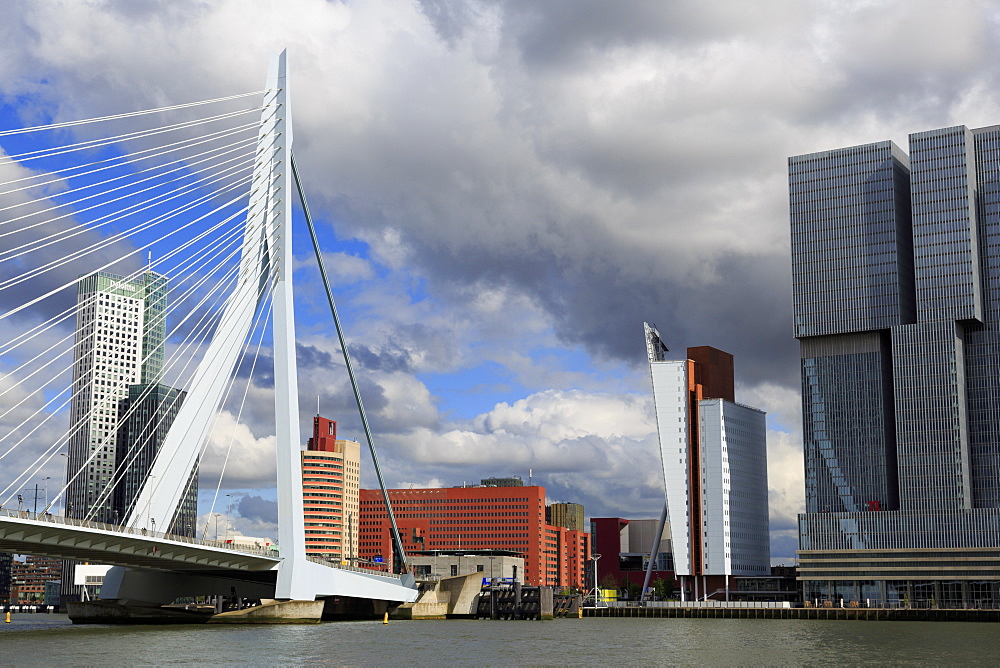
point(146, 307)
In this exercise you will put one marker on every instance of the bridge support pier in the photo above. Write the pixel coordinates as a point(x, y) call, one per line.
point(162, 587)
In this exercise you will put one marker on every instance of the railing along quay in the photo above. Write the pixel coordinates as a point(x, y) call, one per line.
point(731, 612)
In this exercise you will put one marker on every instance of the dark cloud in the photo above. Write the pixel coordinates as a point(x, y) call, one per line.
point(383, 359)
point(258, 508)
point(313, 358)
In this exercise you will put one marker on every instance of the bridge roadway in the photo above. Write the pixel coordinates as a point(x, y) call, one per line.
point(67, 538)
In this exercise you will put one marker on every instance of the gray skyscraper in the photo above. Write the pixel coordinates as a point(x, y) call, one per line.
point(896, 280)
point(144, 418)
point(120, 330)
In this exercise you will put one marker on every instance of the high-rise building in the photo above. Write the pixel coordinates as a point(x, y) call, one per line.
point(569, 515)
point(144, 417)
point(120, 330)
point(714, 456)
point(477, 518)
point(331, 477)
point(896, 283)
point(6, 576)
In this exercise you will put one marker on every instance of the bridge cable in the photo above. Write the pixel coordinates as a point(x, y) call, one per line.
point(182, 349)
point(199, 333)
point(131, 114)
point(196, 337)
point(42, 153)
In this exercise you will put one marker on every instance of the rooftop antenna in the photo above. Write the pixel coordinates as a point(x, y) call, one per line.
point(529, 477)
point(149, 261)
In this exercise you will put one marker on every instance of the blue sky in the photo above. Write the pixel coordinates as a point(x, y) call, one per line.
point(506, 190)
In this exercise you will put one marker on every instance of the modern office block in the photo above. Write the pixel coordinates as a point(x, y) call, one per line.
point(331, 474)
point(896, 283)
point(144, 417)
point(569, 515)
point(120, 331)
point(714, 456)
point(6, 576)
point(477, 518)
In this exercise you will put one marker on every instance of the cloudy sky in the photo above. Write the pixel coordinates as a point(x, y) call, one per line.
point(507, 190)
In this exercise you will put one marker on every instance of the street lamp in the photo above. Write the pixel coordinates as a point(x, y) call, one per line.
point(149, 503)
point(45, 480)
point(597, 592)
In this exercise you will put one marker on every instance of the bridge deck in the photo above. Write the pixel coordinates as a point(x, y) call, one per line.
point(67, 538)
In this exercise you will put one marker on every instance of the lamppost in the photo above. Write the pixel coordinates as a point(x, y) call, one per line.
point(45, 481)
point(216, 526)
point(229, 509)
point(597, 592)
point(149, 503)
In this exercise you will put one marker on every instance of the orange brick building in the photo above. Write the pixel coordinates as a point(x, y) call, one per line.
point(476, 518)
point(331, 474)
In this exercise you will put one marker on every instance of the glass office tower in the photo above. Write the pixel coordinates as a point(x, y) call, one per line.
point(896, 283)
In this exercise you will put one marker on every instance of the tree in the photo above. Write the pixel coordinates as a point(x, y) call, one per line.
point(633, 589)
point(609, 581)
point(664, 589)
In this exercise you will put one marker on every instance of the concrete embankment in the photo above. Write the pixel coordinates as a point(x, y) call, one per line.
point(873, 614)
point(273, 612)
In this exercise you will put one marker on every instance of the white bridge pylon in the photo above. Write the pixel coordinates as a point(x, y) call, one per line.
point(266, 258)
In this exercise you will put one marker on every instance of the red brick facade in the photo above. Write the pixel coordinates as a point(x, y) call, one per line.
point(456, 518)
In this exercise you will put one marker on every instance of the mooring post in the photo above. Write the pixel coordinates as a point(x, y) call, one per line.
point(517, 600)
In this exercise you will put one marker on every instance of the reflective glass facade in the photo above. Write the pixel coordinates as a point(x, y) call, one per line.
point(932, 444)
point(896, 270)
point(851, 257)
point(848, 441)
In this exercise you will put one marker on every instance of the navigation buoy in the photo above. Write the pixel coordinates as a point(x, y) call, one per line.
point(8, 616)
point(385, 620)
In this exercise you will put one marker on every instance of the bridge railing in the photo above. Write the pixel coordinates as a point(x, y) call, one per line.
point(350, 567)
point(139, 532)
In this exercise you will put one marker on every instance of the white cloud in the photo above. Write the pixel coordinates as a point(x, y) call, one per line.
point(246, 459)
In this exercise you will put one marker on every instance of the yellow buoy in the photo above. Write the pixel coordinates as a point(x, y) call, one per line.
point(8, 617)
point(385, 620)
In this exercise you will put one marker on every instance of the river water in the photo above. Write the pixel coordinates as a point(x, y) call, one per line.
point(52, 640)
